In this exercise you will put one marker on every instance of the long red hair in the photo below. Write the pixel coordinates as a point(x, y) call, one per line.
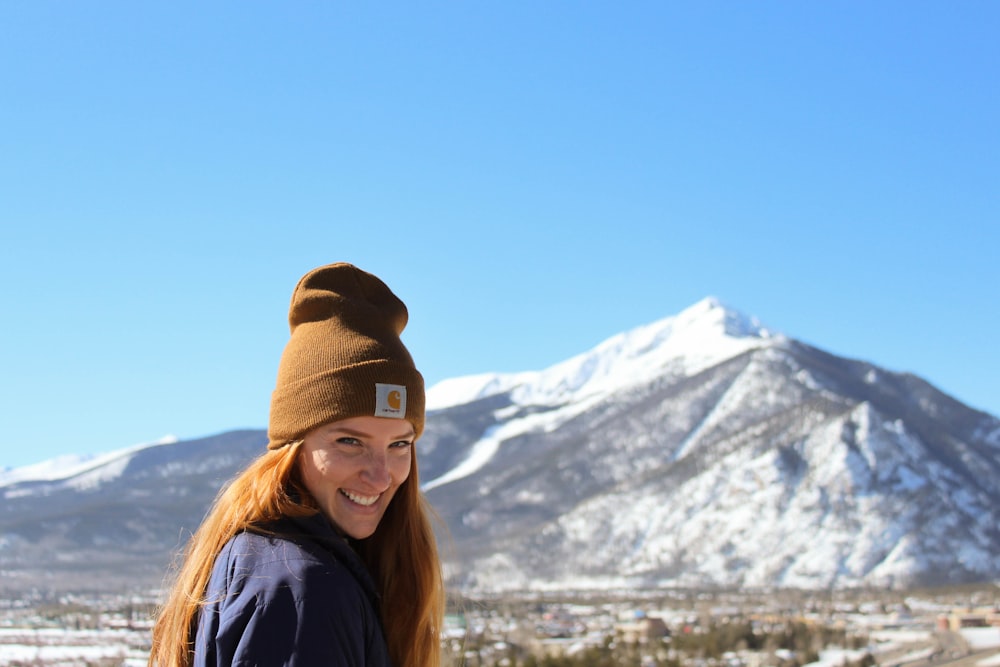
point(401, 555)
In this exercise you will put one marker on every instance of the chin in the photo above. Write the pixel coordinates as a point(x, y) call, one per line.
point(360, 534)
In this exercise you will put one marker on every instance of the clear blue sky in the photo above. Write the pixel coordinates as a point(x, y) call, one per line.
point(529, 177)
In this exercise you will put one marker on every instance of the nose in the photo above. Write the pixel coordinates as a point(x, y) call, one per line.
point(376, 471)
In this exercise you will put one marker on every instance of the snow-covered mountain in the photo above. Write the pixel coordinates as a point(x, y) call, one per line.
point(699, 450)
point(704, 449)
point(699, 338)
point(116, 521)
point(73, 469)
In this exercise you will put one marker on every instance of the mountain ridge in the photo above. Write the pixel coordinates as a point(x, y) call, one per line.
point(804, 400)
point(675, 335)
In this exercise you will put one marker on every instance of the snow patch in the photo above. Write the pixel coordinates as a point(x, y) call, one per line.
point(981, 639)
point(489, 444)
point(479, 455)
point(469, 388)
point(66, 467)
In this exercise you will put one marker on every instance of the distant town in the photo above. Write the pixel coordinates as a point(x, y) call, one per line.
point(955, 626)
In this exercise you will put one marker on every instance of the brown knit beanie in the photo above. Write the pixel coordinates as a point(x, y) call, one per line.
point(345, 358)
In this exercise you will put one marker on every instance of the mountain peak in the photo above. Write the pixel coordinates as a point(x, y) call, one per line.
point(712, 314)
point(698, 337)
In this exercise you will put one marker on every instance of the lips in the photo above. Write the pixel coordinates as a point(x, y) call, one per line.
point(364, 501)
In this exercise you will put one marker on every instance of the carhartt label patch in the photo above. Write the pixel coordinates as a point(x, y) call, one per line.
point(390, 400)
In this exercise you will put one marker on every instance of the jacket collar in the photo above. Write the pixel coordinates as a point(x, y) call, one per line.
point(319, 530)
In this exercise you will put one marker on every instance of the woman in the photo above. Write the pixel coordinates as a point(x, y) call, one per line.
point(321, 552)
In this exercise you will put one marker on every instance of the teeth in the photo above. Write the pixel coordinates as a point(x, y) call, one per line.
point(361, 500)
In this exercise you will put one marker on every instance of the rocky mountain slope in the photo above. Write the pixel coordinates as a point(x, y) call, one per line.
point(700, 450)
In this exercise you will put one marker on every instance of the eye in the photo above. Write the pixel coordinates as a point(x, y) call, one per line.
point(401, 444)
point(348, 441)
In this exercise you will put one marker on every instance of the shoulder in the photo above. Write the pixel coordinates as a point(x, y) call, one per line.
point(276, 599)
point(275, 566)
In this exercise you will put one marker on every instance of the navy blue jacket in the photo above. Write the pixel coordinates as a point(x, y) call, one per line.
point(298, 597)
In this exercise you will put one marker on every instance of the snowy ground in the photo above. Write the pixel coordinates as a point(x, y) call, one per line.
point(56, 647)
point(982, 638)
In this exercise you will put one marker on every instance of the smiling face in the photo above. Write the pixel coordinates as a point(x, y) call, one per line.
point(353, 468)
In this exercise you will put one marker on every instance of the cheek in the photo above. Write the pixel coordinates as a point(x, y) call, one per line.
point(400, 469)
point(314, 471)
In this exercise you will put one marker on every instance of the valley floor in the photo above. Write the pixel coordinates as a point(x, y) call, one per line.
point(957, 628)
